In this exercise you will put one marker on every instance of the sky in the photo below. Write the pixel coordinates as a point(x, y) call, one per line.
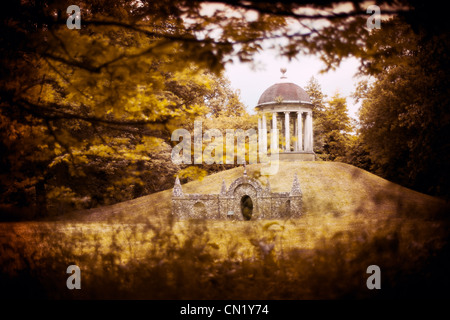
point(253, 81)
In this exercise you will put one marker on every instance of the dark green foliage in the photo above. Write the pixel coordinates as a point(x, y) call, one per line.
point(332, 125)
point(404, 117)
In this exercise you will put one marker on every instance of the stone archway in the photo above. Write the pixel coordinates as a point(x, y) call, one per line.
point(246, 207)
point(247, 193)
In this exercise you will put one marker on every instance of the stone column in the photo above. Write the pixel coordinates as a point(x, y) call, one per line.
point(282, 135)
point(286, 132)
point(311, 135)
point(308, 132)
point(264, 132)
point(299, 131)
point(260, 138)
point(274, 142)
point(295, 134)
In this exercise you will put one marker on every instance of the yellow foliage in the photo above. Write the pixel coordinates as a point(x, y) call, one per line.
point(193, 173)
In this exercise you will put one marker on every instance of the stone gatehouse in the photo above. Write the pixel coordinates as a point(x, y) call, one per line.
point(245, 199)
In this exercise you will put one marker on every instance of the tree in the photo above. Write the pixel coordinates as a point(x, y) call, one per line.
point(222, 99)
point(97, 164)
point(332, 124)
point(336, 126)
point(314, 91)
point(79, 129)
point(230, 115)
point(404, 116)
point(92, 136)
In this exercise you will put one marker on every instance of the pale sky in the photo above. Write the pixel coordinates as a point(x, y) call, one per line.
point(252, 83)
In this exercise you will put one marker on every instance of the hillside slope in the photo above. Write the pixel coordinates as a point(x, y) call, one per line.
point(328, 188)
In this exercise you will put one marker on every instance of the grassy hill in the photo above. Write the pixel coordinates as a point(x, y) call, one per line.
point(352, 219)
point(328, 188)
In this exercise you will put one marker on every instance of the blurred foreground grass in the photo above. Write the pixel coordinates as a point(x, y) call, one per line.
point(294, 259)
point(134, 250)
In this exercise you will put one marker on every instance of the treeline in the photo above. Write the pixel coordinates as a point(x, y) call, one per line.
point(404, 122)
point(86, 115)
point(64, 164)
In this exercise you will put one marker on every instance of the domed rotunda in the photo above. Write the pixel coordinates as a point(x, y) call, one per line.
point(295, 141)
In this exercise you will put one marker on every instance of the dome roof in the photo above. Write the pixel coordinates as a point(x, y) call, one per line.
point(284, 92)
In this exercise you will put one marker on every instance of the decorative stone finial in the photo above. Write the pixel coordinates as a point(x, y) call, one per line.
point(177, 190)
point(283, 71)
point(296, 191)
point(245, 169)
point(223, 190)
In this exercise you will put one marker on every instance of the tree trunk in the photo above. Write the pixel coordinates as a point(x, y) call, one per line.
point(41, 199)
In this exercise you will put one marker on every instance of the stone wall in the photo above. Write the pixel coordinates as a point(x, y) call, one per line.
point(227, 204)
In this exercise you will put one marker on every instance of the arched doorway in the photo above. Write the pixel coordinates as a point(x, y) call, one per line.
point(246, 207)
